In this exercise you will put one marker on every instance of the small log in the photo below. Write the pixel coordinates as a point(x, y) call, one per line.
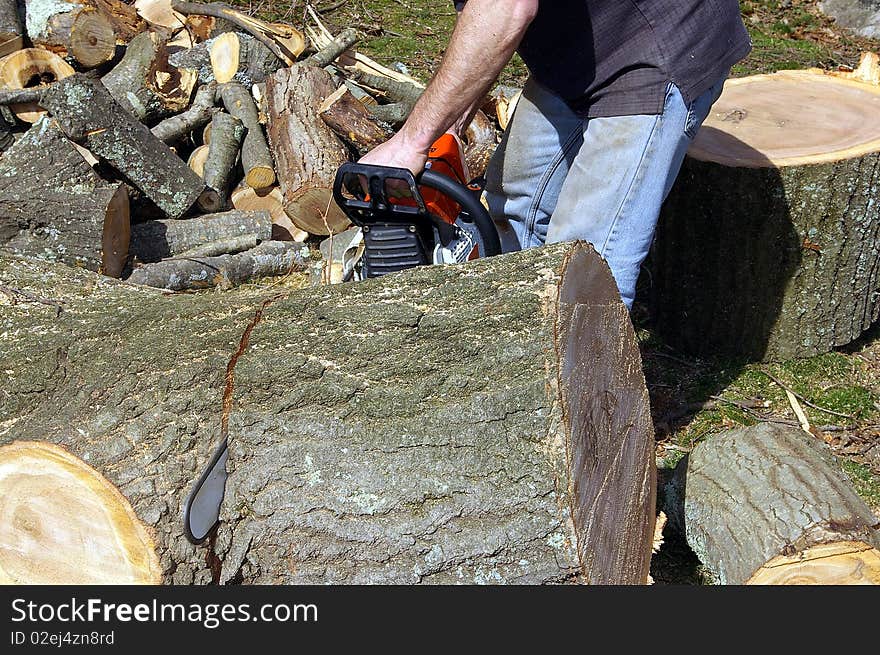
point(11, 30)
point(307, 152)
point(228, 246)
point(283, 41)
point(152, 241)
point(31, 67)
point(67, 524)
point(769, 504)
point(197, 159)
point(54, 206)
point(249, 64)
point(30, 96)
point(54, 24)
point(352, 121)
point(146, 84)
point(200, 112)
point(255, 157)
point(227, 134)
point(272, 201)
point(267, 259)
point(89, 115)
point(395, 113)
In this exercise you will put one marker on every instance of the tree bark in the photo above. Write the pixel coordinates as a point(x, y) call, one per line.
point(146, 84)
point(11, 30)
point(255, 157)
point(226, 271)
point(54, 206)
point(306, 151)
point(228, 133)
point(351, 120)
point(768, 245)
point(199, 114)
point(769, 505)
point(522, 454)
point(80, 32)
point(88, 114)
point(155, 240)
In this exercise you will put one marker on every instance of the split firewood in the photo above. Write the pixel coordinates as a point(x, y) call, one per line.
point(230, 246)
point(267, 259)
point(238, 55)
point(352, 121)
point(255, 157)
point(481, 141)
point(358, 92)
point(152, 241)
point(333, 48)
point(76, 30)
point(146, 84)
point(200, 112)
point(502, 102)
point(321, 36)
point(867, 72)
point(197, 159)
point(31, 67)
point(160, 14)
point(769, 504)
point(227, 133)
point(11, 30)
point(285, 42)
point(777, 171)
point(306, 150)
point(87, 113)
point(79, 528)
point(272, 201)
point(63, 211)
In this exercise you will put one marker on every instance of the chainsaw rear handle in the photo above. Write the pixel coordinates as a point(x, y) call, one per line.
point(376, 177)
point(470, 203)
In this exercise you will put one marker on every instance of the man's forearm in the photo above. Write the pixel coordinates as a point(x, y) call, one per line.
point(485, 37)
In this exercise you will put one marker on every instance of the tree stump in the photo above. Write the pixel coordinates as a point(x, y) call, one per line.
point(486, 422)
point(769, 505)
point(768, 246)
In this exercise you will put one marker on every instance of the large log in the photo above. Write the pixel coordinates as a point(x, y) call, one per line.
point(479, 423)
point(89, 115)
point(768, 504)
point(54, 206)
point(155, 240)
point(769, 245)
point(307, 152)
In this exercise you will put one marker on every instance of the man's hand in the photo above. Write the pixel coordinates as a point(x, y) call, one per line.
point(398, 153)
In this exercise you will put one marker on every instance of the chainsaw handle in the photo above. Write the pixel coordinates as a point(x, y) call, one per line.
point(470, 203)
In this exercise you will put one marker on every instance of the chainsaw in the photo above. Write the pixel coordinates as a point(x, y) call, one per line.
point(405, 221)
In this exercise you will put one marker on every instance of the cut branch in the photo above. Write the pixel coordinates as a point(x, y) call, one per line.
point(255, 157)
point(198, 115)
point(227, 133)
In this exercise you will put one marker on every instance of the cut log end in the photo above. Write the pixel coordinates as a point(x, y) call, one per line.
point(65, 523)
point(260, 177)
point(92, 39)
point(838, 563)
point(314, 211)
point(774, 121)
point(28, 68)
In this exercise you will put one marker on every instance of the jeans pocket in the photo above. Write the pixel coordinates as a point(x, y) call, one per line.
point(699, 108)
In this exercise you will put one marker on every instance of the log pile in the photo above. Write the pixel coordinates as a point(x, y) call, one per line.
point(164, 133)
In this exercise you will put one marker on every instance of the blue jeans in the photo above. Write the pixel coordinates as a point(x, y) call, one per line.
point(558, 177)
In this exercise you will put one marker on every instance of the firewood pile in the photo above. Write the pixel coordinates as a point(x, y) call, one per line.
point(184, 145)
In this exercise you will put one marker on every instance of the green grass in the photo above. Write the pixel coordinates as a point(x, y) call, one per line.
point(866, 483)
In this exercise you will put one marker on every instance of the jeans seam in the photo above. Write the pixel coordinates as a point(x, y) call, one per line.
point(628, 195)
point(551, 169)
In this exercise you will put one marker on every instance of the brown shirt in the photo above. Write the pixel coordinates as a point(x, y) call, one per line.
point(617, 57)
